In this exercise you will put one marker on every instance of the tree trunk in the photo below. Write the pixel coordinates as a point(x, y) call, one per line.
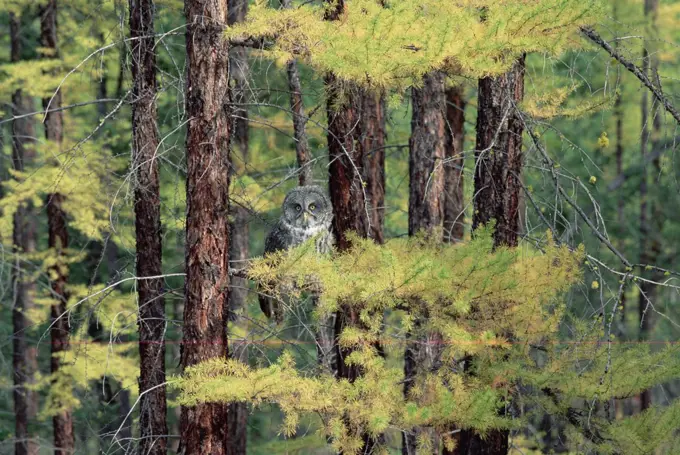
point(299, 119)
point(372, 136)
point(204, 426)
point(427, 149)
point(62, 423)
point(237, 415)
point(498, 170)
point(25, 356)
point(151, 319)
point(454, 203)
point(618, 113)
point(646, 257)
point(347, 187)
point(346, 168)
point(499, 155)
point(299, 124)
point(64, 441)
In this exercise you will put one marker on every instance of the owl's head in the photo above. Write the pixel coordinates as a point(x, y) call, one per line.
point(306, 207)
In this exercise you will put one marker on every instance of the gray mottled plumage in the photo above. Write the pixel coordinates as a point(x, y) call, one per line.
point(307, 213)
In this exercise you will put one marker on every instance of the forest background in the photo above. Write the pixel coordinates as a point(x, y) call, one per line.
point(585, 146)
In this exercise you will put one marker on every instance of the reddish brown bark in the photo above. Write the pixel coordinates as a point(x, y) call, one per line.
point(24, 355)
point(347, 185)
point(62, 423)
point(498, 170)
point(151, 320)
point(454, 203)
point(372, 136)
point(498, 154)
point(237, 415)
point(204, 427)
point(427, 148)
point(346, 168)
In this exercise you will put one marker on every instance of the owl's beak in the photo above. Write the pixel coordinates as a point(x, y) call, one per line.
point(304, 217)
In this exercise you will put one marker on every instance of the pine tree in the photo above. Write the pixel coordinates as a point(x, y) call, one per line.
point(25, 362)
point(62, 422)
point(498, 170)
point(237, 416)
point(373, 137)
point(152, 323)
point(204, 426)
point(454, 202)
point(426, 211)
point(649, 251)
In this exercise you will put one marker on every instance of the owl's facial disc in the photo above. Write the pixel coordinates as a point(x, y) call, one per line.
point(305, 207)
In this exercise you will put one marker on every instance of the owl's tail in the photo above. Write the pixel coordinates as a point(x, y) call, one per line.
point(270, 305)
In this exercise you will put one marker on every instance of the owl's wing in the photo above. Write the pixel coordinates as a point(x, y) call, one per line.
point(278, 239)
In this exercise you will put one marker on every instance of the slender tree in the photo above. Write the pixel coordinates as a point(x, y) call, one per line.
point(454, 204)
point(237, 416)
point(204, 427)
point(427, 148)
point(64, 441)
point(151, 320)
point(299, 119)
point(498, 169)
point(648, 250)
point(24, 356)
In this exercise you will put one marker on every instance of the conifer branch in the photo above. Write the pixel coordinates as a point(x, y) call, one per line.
point(593, 36)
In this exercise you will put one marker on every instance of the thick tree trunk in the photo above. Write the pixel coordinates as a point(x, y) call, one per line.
point(62, 423)
point(347, 186)
point(25, 357)
point(647, 256)
point(204, 426)
point(498, 155)
point(347, 192)
point(454, 203)
point(427, 149)
point(346, 168)
point(498, 170)
point(237, 415)
point(372, 136)
point(151, 320)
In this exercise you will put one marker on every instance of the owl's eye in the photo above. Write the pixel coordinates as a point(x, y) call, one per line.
point(298, 207)
point(312, 207)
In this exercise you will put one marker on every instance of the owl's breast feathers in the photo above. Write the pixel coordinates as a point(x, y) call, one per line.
point(284, 236)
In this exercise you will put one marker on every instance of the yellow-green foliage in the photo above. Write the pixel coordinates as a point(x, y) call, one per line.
point(83, 363)
point(493, 303)
point(653, 431)
point(78, 176)
point(460, 289)
point(393, 43)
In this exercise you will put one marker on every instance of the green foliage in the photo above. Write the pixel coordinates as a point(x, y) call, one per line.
point(473, 296)
point(395, 43)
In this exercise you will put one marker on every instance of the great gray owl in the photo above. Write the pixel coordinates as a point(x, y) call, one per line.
point(307, 213)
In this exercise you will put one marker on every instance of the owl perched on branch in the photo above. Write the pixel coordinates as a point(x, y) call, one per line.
point(307, 213)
